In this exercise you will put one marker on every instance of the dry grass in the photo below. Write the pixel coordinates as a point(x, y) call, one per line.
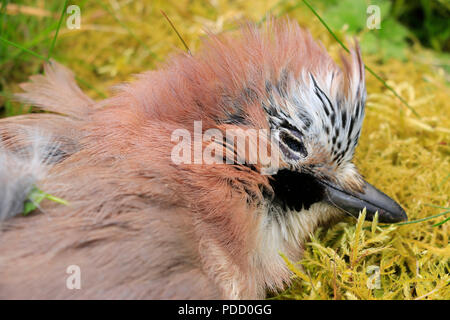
point(405, 156)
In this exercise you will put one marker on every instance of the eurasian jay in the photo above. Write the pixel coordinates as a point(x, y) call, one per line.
point(141, 224)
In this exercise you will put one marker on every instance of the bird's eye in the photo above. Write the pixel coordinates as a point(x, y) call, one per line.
point(293, 143)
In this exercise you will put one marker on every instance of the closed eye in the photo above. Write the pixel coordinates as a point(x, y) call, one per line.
point(293, 143)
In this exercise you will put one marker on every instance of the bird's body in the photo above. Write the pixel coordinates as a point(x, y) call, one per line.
point(141, 226)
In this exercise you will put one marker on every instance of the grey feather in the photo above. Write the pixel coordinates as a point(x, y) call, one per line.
point(21, 167)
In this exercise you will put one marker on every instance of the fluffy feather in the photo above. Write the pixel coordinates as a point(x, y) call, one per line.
point(21, 167)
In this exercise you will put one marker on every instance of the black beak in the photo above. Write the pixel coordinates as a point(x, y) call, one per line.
point(370, 198)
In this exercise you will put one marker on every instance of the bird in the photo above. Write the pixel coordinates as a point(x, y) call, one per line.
point(139, 222)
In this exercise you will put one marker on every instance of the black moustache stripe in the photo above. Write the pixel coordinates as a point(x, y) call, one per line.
point(295, 190)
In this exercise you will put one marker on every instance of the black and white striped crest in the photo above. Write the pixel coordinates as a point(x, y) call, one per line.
point(323, 109)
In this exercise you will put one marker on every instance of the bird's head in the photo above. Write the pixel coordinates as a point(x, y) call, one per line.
point(279, 79)
point(316, 118)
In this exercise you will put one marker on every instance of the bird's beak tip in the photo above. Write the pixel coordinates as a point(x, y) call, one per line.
point(370, 198)
point(392, 216)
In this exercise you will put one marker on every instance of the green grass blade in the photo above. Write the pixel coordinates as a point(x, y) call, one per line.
point(37, 55)
point(441, 223)
point(325, 25)
point(366, 67)
point(415, 221)
point(56, 199)
point(393, 91)
point(176, 31)
point(43, 36)
point(57, 30)
point(423, 219)
point(438, 207)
